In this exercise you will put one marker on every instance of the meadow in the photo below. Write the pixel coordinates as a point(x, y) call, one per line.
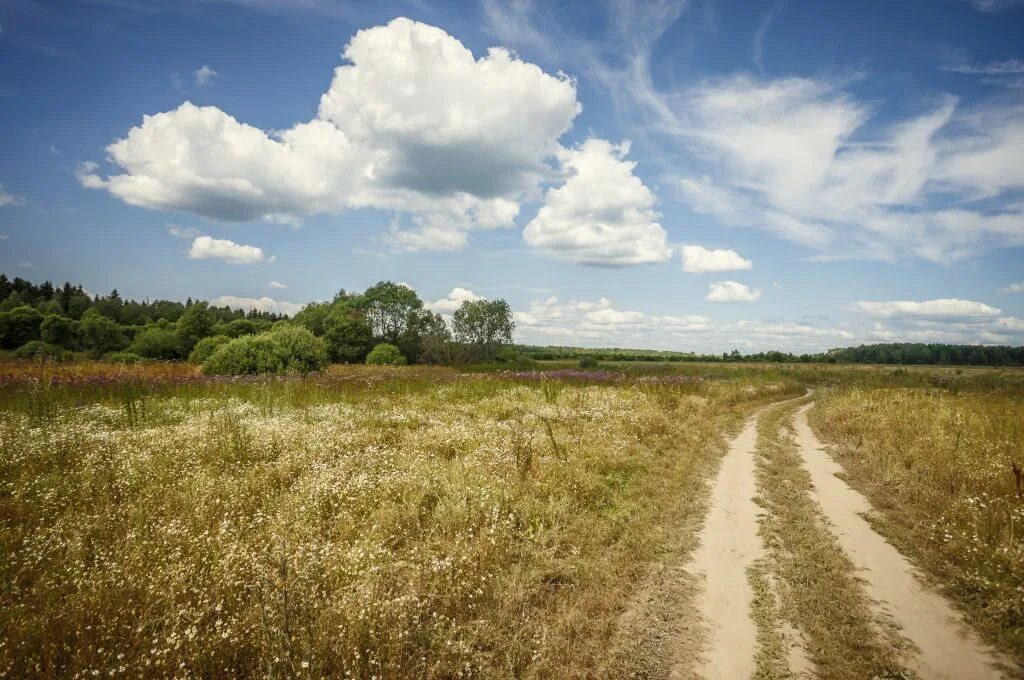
point(433, 522)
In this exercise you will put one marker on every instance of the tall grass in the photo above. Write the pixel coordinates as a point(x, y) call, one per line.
point(359, 523)
point(938, 464)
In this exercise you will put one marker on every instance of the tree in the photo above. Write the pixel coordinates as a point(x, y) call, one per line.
point(60, 331)
point(483, 326)
point(435, 339)
point(390, 308)
point(194, 325)
point(18, 326)
point(101, 335)
point(313, 317)
point(159, 341)
point(347, 332)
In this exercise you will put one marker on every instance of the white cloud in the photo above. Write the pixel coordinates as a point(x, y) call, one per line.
point(7, 198)
point(4, 237)
point(603, 214)
point(993, 6)
point(950, 308)
point(796, 156)
point(276, 285)
point(454, 299)
point(204, 76)
point(182, 232)
point(699, 260)
point(54, 151)
point(1013, 288)
point(27, 265)
point(412, 123)
point(206, 248)
point(590, 322)
point(1004, 67)
point(731, 291)
point(263, 304)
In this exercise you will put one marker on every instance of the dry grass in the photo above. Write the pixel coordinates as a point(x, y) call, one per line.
point(818, 590)
point(359, 524)
point(938, 465)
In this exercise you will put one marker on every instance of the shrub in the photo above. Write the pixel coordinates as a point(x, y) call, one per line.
point(385, 354)
point(304, 351)
point(205, 347)
point(59, 330)
point(19, 326)
point(588, 362)
point(124, 358)
point(286, 349)
point(37, 349)
point(157, 342)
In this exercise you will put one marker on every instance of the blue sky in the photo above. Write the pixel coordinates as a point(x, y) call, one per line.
point(696, 176)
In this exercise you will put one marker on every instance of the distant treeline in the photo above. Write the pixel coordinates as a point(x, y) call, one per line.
point(909, 353)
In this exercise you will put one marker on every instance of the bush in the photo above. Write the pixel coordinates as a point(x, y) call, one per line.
point(19, 326)
point(385, 354)
point(157, 342)
point(286, 349)
point(588, 362)
point(37, 349)
point(124, 358)
point(205, 347)
point(306, 352)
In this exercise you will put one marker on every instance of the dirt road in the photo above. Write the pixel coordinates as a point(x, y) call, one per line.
point(940, 645)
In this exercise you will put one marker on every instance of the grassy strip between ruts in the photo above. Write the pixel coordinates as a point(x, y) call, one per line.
point(818, 590)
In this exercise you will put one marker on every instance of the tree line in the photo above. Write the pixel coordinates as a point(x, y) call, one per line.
point(386, 323)
point(909, 353)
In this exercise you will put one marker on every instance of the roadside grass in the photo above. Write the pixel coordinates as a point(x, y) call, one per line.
point(361, 523)
point(938, 467)
point(817, 586)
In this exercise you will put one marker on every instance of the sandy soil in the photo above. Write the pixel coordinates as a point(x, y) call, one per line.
point(729, 544)
point(947, 648)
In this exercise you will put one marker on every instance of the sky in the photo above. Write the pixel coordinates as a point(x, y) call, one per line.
point(699, 176)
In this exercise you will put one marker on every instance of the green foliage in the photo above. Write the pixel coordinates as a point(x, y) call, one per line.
point(288, 349)
point(37, 349)
point(390, 308)
point(19, 326)
point(305, 352)
point(124, 358)
point(348, 334)
point(588, 362)
point(313, 317)
point(60, 331)
point(194, 325)
point(385, 354)
point(160, 341)
point(239, 327)
point(207, 346)
point(435, 339)
point(483, 326)
point(101, 335)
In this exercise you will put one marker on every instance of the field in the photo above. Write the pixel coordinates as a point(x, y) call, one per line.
point(418, 522)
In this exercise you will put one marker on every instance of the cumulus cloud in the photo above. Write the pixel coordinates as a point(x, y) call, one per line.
point(950, 308)
point(204, 76)
point(731, 291)
point(411, 123)
point(603, 214)
point(263, 304)
point(206, 248)
point(1013, 288)
point(700, 260)
point(276, 285)
point(7, 198)
point(454, 300)
point(599, 321)
point(1004, 67)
